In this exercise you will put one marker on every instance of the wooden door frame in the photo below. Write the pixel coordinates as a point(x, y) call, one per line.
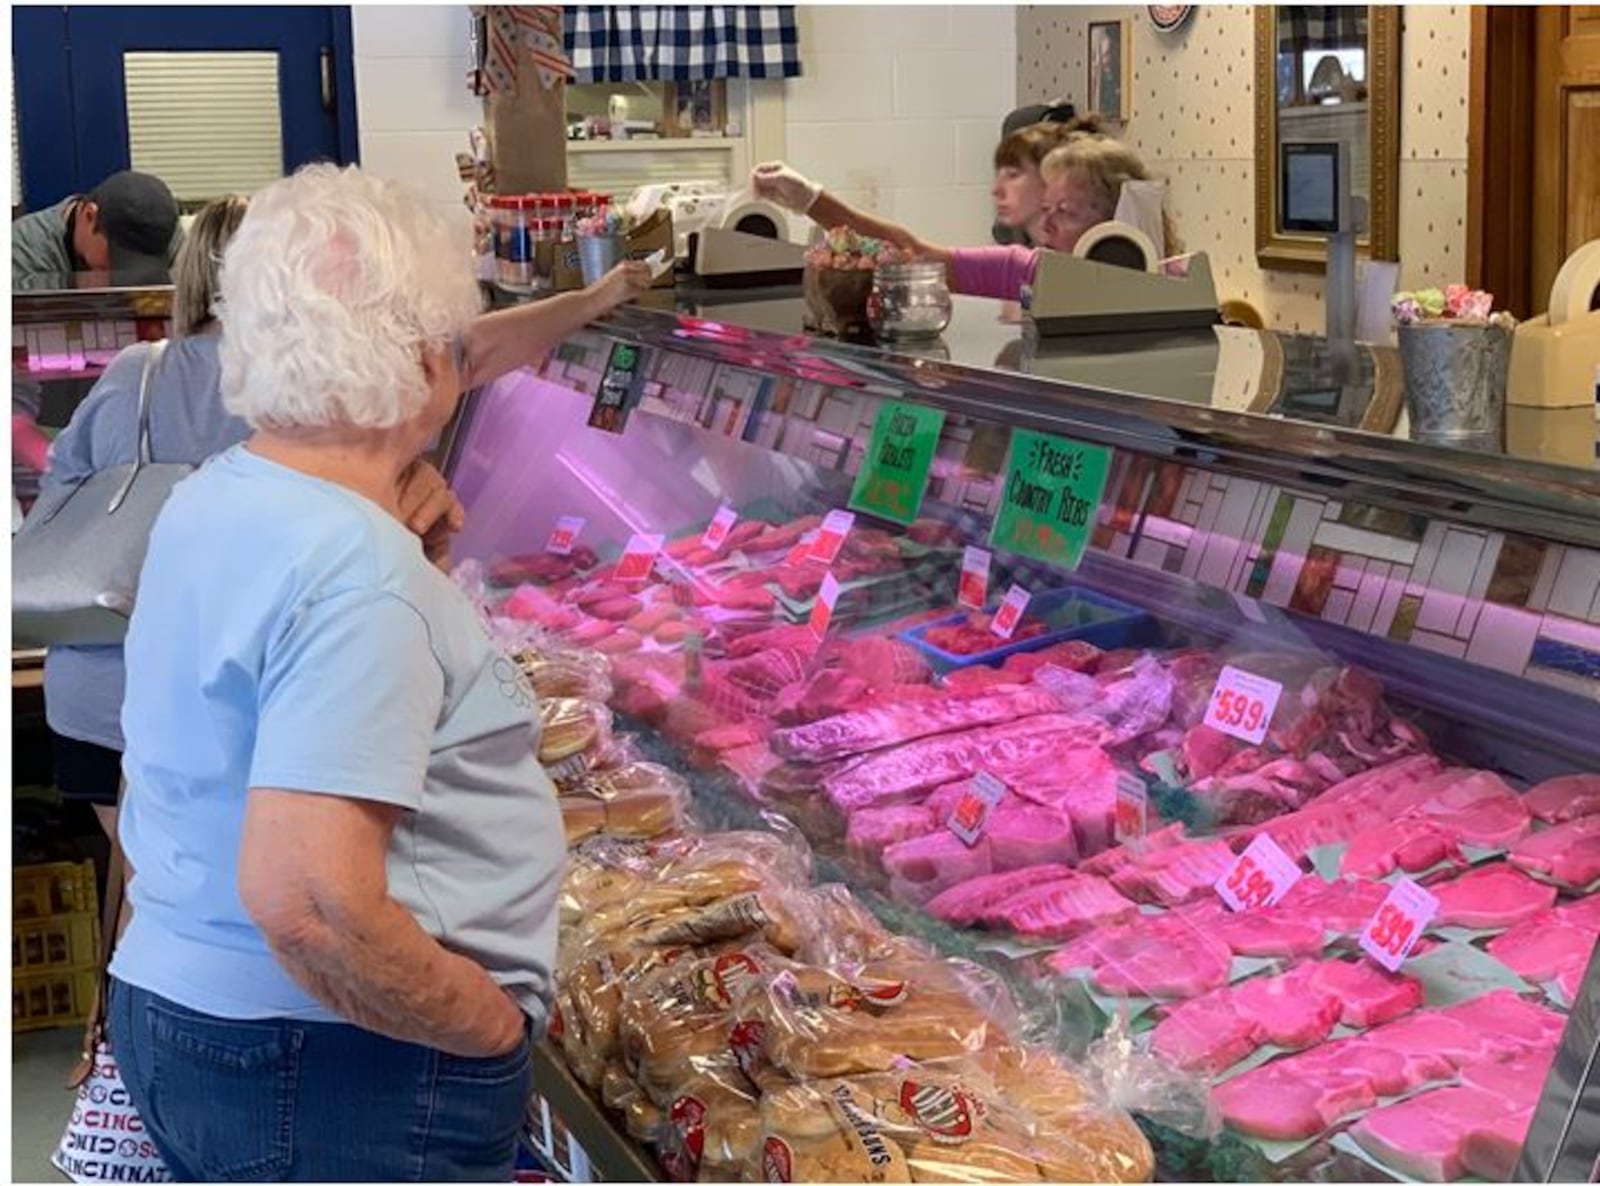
point(1501, 187)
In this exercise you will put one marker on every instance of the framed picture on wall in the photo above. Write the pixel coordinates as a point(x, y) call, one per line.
point(1110, 69)
point(696, 108)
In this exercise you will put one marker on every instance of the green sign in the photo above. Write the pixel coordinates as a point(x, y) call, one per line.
point(894, 473)
point(1052, 496)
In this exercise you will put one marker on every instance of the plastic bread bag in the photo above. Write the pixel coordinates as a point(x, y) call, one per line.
point(1133, 1080)
point(605, 870)
point(676, 1020)
point(636, 799)
point(912, 1124)
point(781, 916)
point(848, 934)
point(712, 1129)
point(823, 1023)
point(560, 673)
point(571, 728)
point(590, 988)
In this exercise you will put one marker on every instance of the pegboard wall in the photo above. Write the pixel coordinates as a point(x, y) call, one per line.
point(1193, 120)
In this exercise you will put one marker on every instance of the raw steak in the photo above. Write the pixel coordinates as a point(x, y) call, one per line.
point(1423, 1137)
point(871, 831)
point(964, 904)
point(1518, 1081)
point(1494, 896)
point(1267, 931)
point(1206, 1035)
point(1540, 949)
point(1186, 964)
point(1411, 844)
point(921, 868)
point(1108, 862)
point(1005, 750)
point(877, 728)
point(1481, 810)
point(1287, 1010)
point(1287, 1101)
point(1567, 854)
point(1062, 909)
point(1380, 1070)
point(1021, 834)
point(1569, 797)
point(1491, 1150)
point(1343, 907)
point(1367, 994)
point(1444, 1042)
point(1170, 876)
point(1509, 1024)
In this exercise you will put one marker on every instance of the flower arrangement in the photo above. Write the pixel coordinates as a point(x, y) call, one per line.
point(609, 221)
point(1455, 303)
point(841, 249)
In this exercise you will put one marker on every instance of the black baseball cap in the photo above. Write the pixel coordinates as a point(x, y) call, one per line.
point(1037, 113)
point(139, 217)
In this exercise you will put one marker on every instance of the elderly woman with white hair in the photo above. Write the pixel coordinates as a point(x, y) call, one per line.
point(347, 855)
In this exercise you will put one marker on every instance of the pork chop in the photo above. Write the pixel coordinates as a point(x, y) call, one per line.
point(1493, 896)
point(1570, 797)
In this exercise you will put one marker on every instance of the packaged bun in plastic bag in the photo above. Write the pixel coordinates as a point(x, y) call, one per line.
point(711, 1131)
point(634, 800)
point(571, 728)
point(558, 674)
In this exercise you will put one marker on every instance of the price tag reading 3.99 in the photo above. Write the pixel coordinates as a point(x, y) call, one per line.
point(1242, 705)
point(1394, 930)
point(1260, 876)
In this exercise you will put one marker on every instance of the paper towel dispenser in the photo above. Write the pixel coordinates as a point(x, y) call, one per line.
point(1073, 295)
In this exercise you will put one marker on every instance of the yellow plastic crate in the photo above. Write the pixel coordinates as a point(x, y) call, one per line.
point(44, 1000)
point(55, 944)
point(47, 891)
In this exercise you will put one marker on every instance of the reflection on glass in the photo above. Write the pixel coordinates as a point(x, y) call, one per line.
point(1322, 85)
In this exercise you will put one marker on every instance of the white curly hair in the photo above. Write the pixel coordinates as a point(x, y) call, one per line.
point(332, 285)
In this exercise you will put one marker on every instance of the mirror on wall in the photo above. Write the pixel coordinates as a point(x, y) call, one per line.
point(1328, 74)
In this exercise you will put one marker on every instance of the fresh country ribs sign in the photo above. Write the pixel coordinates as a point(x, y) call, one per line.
point(1051, 497)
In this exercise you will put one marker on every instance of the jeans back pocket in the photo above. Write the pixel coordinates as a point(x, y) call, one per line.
point(227, 1089)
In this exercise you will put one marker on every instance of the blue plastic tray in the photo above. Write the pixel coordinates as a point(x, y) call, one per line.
point(1069, 614)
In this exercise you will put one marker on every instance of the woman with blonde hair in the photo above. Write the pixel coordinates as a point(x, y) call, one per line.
point(1083, 182)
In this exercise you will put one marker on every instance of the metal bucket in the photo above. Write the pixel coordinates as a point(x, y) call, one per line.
point(1456, 383)
point(598, 254)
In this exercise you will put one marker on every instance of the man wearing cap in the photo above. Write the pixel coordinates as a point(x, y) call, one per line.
point(127, 224)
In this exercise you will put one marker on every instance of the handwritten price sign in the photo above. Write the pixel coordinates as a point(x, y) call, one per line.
point(639, 557)
point(1009, 616)
point(1394, 930)
point(1242, 705)
point(971, 814)
point(721, 523)
point(973, 591)
point(1260, 876)
point(566, 533)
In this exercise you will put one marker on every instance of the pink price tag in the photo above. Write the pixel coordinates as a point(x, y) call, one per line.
point(1242, 705)
point(822, 611)
point(721, 523)
point(1259, 876)
point(971, 814)
point(835, 527)
point(1009, 616)
point(639, 557)
point(567, 530)
point(973, 591)
point(1394, 930)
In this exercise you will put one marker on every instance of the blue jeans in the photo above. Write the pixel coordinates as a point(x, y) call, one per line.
point(284, 1101)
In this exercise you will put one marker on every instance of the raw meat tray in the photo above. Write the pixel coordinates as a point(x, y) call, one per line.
point(1113, 624)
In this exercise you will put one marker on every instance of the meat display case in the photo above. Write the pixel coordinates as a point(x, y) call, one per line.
point(1248, 514)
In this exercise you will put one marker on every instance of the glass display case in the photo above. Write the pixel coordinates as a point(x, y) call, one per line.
point(1152, 672)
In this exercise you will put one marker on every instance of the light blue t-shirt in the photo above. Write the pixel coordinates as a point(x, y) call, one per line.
point(290, 633)
point(83, 685)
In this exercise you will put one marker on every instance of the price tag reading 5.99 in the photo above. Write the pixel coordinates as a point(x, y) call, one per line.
point(1260, 876)
point(1242, 705)
point(1394, 930)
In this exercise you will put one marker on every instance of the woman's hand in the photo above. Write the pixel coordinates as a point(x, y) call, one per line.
point(777, 182)
point(623, 282)
point(431, 509)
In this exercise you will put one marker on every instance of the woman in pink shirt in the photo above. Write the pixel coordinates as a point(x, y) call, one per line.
point(1083, 180)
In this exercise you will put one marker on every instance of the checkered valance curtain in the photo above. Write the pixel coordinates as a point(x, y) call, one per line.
point(1303, 28)
point(681, 43)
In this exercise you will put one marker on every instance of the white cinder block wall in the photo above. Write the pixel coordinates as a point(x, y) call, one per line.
point(411, 65)
point(899, 109)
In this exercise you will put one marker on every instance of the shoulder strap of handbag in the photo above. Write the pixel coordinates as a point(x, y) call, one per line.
point(110, 916)
point(152, 360)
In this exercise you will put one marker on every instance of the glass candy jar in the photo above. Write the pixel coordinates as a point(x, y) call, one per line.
point(909, 301)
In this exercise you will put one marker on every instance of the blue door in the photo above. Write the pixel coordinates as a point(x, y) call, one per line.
point(72, 102)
